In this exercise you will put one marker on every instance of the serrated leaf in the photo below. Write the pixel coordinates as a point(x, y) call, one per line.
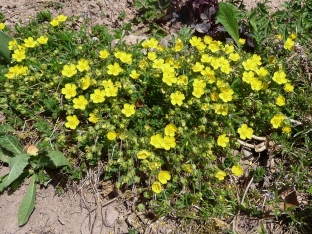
point(17, 166)
point(4, 157)
point(58, 158)
point(28, 203)
point(11, 144)
point(4, 43)
point(227, 17)
point(6, 128)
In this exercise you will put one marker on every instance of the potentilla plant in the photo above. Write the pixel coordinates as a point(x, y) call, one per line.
point(161, 117)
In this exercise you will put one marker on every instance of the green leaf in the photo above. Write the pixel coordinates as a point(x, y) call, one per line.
point(252, 21)
point(4, 157)
point(4, 44)
point(11, 144)
point(20, 180)
point(227, 17)
point(6, 128)
point(2, 182)
point(17, 165)
point(28, 203)
point(58, 158)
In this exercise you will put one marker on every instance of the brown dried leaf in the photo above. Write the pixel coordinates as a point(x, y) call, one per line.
point(221, 223)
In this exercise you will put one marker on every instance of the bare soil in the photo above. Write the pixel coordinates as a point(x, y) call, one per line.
point(83, 208)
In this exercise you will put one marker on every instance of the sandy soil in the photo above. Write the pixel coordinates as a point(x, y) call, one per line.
point(78, 210)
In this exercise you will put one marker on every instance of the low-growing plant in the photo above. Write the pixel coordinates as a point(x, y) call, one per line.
point(31, 164)
point(163, 118)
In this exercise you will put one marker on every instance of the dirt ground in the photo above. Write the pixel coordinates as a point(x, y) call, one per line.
point(80, 209)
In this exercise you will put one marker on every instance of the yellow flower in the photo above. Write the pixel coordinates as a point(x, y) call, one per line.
point(195, 41)
point(262, 72)
point(98, 96)
point(153, 43)
point(2, 26)
point(61, 18)
point(13, 44)
point(279, 37)
point(226, 95)
point(280, 100)
point(289, 44)
point(156, 187)
point(178, 45)
point(170, 130)
point(54, 22)
point(93, 118)
point(114, 69)
point(277, 120)
point(198, 67)
point(83, 65)
point(214, 46)
point(85, 83)
point(288, 88)
point(229, 49)
point(80, 102)
point(177, 98)
point(214, 96)
point(104, 54)
point(293, 36)
point(280, 77)
point(143, 154)
point(19, 55)
point(250, 65)
point(234, 57)
point(111, 135)
point(69, 70)
point(237, 170)
point(30, 42)
point(198, 92)
point(208, 40)
point(223, 140)
point(286, 129)
point(157, 141)
point(242, 41)
point(182, 80)
point(72, 122)
point(245, 132)
point(125, 58)
point(220, 175)
point(201, 46)
point(42, 40)
point(169, 78)
point(164, 176)
point(221, 109)
point(134, 74)
point(168, 142)
point(151, 55)
point(128, 110)
point(69, 91)
point(158, 63)
point(248, 76)
point(256, 84)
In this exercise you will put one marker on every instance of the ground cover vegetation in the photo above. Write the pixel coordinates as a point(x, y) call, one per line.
point(172, 121)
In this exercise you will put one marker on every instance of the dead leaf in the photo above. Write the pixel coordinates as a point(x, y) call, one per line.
point(32, 150)
point(291, 199)
point(221, 223)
